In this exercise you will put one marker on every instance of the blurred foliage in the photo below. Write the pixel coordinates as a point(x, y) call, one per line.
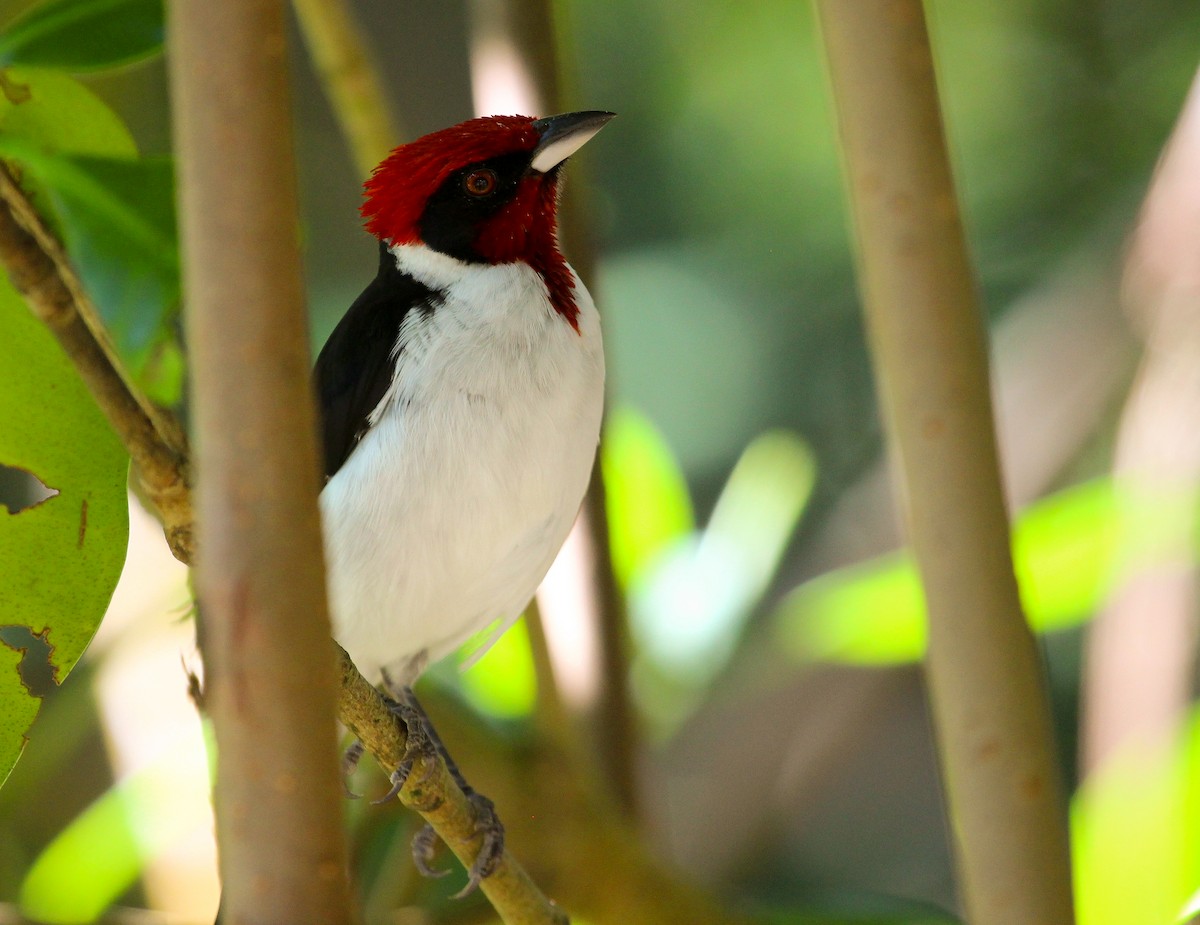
point(502, 682)
point(84, 35)
point(648, 505)
point(873, 612)
point(692, 599)
point(744, 405)
point(1136, 832)
point(93, 861)
point(861, 910)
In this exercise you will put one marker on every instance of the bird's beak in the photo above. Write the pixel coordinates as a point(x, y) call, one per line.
point(563, 135)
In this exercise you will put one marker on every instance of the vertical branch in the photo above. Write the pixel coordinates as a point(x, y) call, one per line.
point(988, 699)
point(350, 78)
point(1141, 650)
point(616, 720)
point(265, 634)
point(519, 40)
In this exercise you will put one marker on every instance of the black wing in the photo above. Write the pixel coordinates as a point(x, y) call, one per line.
point(355, 367)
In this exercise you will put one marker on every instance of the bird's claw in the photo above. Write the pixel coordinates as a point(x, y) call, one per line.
point(424, 848)
point(418, 746)
point(424, 745)
point(491, 849)
point(350, 759)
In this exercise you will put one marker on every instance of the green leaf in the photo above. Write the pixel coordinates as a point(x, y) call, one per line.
point(115, 214)
point(1064, 550)
point(118, 221)
point(1135, 826)
point(18, 708)
point(62, 557)
point(84, 35)
point(648, 505)
point(58, 114)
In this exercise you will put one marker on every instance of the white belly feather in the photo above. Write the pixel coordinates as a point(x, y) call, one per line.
point(451, 509)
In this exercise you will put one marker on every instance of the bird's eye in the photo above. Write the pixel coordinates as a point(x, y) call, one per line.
point(480, 182)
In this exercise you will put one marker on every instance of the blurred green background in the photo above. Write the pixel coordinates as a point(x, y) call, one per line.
point(774, 624)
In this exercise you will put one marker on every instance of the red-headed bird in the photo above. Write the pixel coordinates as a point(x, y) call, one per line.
point(461, 396)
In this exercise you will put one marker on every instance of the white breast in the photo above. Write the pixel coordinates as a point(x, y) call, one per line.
point(450, 510)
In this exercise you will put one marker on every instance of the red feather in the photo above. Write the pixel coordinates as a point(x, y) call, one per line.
point(525, 229)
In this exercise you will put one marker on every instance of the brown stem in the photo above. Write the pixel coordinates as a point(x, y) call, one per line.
point(260, 576)
point(986, 685)
point(350, 78)
point(40, 271)
point(1141, 649)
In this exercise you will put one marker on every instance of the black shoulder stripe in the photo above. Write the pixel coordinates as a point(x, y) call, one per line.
point(356, 365)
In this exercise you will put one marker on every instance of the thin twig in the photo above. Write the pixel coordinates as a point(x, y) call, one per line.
point(439, 800)
point(350, 78)
point(40, 271)
point(986, 683)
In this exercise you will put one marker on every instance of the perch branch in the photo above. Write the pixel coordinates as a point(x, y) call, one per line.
point(513, 895)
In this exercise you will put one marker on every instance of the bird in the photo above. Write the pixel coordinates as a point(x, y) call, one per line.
point(460, 399)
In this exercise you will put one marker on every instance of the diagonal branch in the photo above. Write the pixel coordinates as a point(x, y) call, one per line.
point(351, 79)
point(40, 271)
point(362, 709)
point(39, 268)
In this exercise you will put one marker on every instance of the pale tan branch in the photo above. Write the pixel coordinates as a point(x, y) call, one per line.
point(986, 683)
point(351, 79)
point(440, 801)
point(270, 687)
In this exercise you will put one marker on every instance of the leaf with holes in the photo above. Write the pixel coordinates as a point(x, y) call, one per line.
point(61, 558)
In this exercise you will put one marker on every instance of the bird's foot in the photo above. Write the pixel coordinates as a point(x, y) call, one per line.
point(487, 826)
point(425, 745)
point(350, 759)
point(490, 830)
point(420, 746)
